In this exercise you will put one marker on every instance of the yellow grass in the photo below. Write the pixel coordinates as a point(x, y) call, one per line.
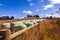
point(50, 29)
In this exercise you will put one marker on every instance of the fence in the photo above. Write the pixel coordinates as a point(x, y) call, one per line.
point(30, 33)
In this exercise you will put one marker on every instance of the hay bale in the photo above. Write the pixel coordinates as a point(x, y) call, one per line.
point(28, 23)
point(5, 25)
point(16, 26)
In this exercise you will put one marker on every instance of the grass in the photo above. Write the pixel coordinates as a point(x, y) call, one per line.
point(50, 29)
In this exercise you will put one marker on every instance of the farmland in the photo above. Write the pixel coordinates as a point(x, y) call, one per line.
point(29, 20)
point(50, 29)
point(41, 29)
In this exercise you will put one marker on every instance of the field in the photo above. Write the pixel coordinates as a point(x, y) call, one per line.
point(19, 27)
point(48, 29)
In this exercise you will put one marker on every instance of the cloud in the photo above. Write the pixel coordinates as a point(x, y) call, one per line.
point(1, 4)
point(48, 6)
point(51, 4)
point(54, 1)
point(32, 4)
point(29, 0)
point(8, 15)
point(27, 12)
point(54, 15)
point(58, 11)
point(37, 10)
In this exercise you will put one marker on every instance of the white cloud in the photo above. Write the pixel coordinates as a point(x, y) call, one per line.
point(8, 15)
point(54, 1)
point(29, 0)
point(32, 4)
point(54, 15)
point(1, 4)
point(48, 6)
point(37, 10)
point(27, 11)
point(58, 11)
point(51, 4)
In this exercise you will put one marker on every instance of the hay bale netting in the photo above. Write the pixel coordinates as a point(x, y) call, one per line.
point(38, 21)
point(28, 23)
point(23, 21)
point(16, 26)
point(5, 25)
point(33, 21)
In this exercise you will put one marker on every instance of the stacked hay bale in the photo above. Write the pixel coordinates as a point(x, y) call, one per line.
point(19, 25)
point(15, 26)
point(5, 25)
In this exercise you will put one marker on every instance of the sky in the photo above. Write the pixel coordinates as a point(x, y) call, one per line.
point(21, 8)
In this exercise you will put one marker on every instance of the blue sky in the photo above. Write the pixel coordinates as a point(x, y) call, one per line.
point(21, 8)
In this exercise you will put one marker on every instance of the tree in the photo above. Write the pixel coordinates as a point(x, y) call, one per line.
point(29, 15)
point(36, 16)
point(43, 17)
point(47, 17)
point(12, 17)
point(0, 18)
point(50, 17)
point(7, 17)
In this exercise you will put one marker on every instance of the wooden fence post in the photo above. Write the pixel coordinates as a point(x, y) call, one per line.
point(0, 26)
point(5, 34)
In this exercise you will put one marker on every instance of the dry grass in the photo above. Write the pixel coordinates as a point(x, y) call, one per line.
point(50, 29)
point(5, 21)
